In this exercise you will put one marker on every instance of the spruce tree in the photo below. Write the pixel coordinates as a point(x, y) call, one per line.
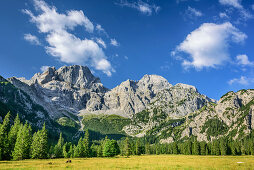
point(71, 152)
point(40, 144)
point(196, 148)
point(66, 150)
point(79, 149)
point(4, 144)
point(127, 148)
point(216, 146)
point(203, 148)
point(86, 151)
point(147, 148)
point(138, 147)
point(110, 148)
point(100, 151)
point(12, 136)
point(23, 143)
point(223, 146)
point(175, 148)
point(58, 150)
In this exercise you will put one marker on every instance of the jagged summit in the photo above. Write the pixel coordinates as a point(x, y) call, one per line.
point(74, 89)
point(76, 76)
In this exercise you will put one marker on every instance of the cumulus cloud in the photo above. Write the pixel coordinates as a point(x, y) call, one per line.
point(44, 68)
point(114, 42)
point(141, 6)
point(64, 45)
point(32, 39)
point(192, 12)
point(244, 60)
point(208, 45)
point(242, 81)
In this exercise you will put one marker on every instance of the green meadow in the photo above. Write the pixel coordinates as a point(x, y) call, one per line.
point(138, 162)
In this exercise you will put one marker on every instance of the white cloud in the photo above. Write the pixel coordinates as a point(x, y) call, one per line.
point(44, 68)
point(242, 81)
point(101, 42)
point(223, 15)
point(126, 57)
point(141, 6)
point(32, 39)
point(192, 12)
point(66, 46)
point(114, 42)
point(244, 60)
point(252, 6)
point(208, 45)
point(244, 14)
point(99, 28)
point(234, 3)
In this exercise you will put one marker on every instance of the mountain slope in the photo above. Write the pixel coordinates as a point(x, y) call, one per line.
point(232, 116)
point(72, 93)
point(18, 102)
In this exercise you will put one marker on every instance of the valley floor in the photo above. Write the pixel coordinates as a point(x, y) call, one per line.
point(138, 162)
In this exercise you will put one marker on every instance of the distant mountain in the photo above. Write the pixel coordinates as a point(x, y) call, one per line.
point(72, 97)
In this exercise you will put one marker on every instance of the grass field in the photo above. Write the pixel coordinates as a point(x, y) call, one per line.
point(138, 162)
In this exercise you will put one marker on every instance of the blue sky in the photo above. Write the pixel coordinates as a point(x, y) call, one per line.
point(205, 43)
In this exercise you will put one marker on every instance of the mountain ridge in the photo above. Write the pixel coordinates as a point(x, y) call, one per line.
point(149, 107)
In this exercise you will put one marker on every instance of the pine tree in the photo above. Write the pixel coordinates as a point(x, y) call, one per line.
point(138, 147)
point(147, 148)
point(110, 148)
point(86, 145)
point(203, 148)
point(58, 150)
point(23, 143)
point(127, 148)
point(79, 149)
point(66, 150)
point(100, 151)
point(157, 149)
point(216, 147)
point(188, 147)
point(12, 136)
point(93, 150)
point(196, 148)
point(223, 146)
point(175, 148)
point(71, 152)
point(4, 144)
point(251, 143)
point(40, 144)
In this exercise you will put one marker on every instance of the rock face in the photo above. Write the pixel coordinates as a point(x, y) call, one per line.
point(18, 102)
point(74, 90)
point(232, 116)
point(150, 106)
point(65, 91)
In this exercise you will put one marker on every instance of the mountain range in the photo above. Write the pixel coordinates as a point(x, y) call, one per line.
point(71, 98)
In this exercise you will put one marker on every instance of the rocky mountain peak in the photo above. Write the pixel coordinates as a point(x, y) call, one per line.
point(76, 76)
point(186, 86)
point(153, 82)
point(79, 76)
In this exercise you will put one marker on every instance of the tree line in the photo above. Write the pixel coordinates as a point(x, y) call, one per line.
point(17, 142)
